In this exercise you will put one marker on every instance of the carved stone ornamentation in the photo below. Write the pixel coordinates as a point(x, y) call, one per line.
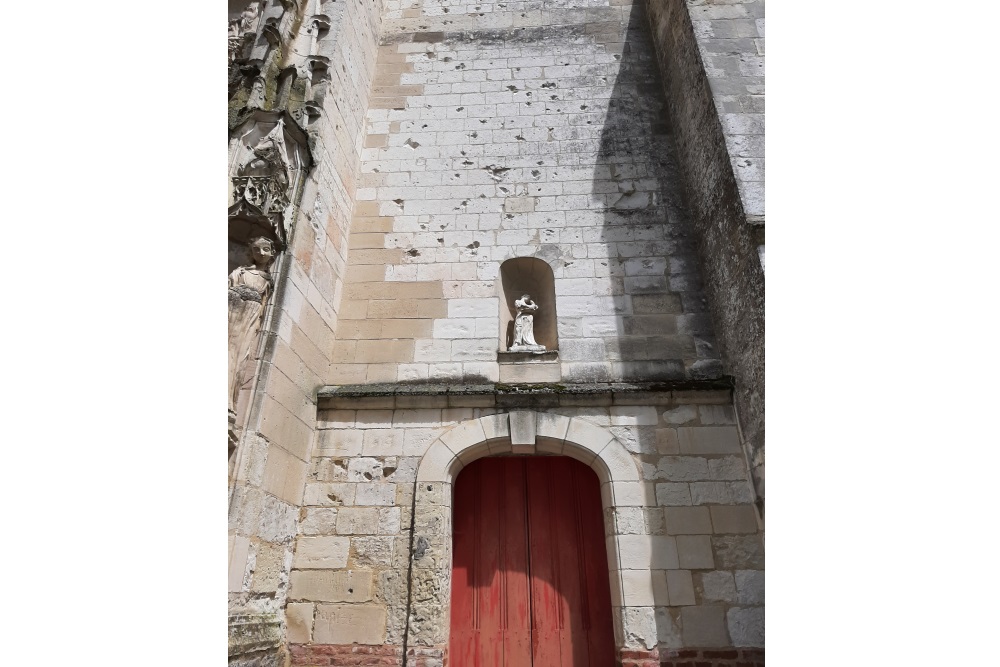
point(269, 156)
point(524, 326)
point(242, 29)
point(249, 289)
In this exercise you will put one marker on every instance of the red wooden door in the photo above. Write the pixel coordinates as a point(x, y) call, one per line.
point(530, 576)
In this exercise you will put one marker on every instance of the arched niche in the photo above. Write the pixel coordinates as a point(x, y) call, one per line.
point(528, 275)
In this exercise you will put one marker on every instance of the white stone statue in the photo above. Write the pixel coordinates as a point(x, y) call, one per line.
point(249, 289)
point(524, 326)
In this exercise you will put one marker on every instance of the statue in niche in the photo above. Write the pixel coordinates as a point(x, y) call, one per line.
point(524, 326)
point(240, 27)
point(249, 288)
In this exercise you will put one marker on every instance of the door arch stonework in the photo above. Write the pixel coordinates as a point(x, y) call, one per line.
point(522, 432)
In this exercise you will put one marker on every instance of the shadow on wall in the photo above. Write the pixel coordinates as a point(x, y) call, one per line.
point(664, 331)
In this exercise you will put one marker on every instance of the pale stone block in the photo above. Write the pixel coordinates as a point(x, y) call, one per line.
point(239, 551)
point(633, 494)
point(673, 494)
point(470, 454)
point(695, 552)
point(321, 552)
point(681, 415)
point(688, 520)
point(681, 587)
point(438, 464)
point(329, 494)
point(633, 415)
point(530, 373)
point(668, 628)
point(416, 441)
point(718, 587)
point(364, 469)
point(640, 552)
point(750, 586)
point(746, 626)
point(375, 494)
point(704, 626)
point(496, 426)
point(709, 440)
point(482, 307)
point(299, 618)
point(551, 428)
point(389, 520)
point(587, 436)
point(331, 586)
point(619, 463)
point(666, 441)
point(727, 468)
point(464, 435)
point(721, 493)
point(350, 624)
point(357, 521)
point(336, 419)
point(682, 468)
point(734, 519)
point(639, 627)
point(637, 588)
point(416, 418)
point(522, 430)
point(339, 443)
point(374, 418)
point(383, 442)
point(319, 521)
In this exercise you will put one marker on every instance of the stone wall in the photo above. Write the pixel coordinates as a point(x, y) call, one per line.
point(520, 130)
point(711, 56)
point(277, 410)
point(372, 562)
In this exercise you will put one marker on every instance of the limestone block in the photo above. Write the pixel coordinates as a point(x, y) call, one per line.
point(349, 624)
point(681, 415)
point(721, 493)
point(319, 521)
point(673, 494)
point(717, 586)
point(438, 464)
point(704, 626)
point(364, 469)
point(639, 627)
point(709, 440)
point(734, 519)
point(695, 552)
point(239, 551)
point(357, 521)
point(371, 552)
point(637, 588)
point(321, 552)
point(633, 494)
point(727, 468)
point(550, 429)
point(746, 625)
point(634, 415)
point(299, 618)
point(687, 520)
point(338, 443)
point(750, 586)
point(389, 521)
point(666, 441)
point(522, 431)
point(641, 552)
point(619, 463)
point(681, 587)
point(668, 627)
point(496, 426)
point(331, 586)
point(329, 494)
point(470, 454)
point(738, 552)
point(682, 468)
point(375, 494)
point(380, 442)
point(587, 437)
point(463, 435)
point(717, 414)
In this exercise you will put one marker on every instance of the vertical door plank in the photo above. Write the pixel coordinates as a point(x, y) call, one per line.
point(517, 601)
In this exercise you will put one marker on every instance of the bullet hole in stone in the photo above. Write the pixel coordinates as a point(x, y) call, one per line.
point(583, 107)
point(540, 163)
point(447, 59)
point(458, 176)
point(519, 138)
point(398, 202)
point(528, 103)
point(548, 84)
point(411, 143)
point(376, 170)
point(509, 216)
point(554, 97)
point(428, 487)
point(467, 162)
point(473, 245)
point(446, 10)
point(482, 121)
point(368, 476)
point(423, 127)
point(536, 173)
point(460, 109)
point(512, 89)
point(528, 93)
point(350, 590)
point(441, 241)
point(462, 152)
point(413, 252)
point(482, 196)
point(333, 497)
point(460, 66)
point(388, 470)
point(517, 69)
point(588, 122)
point(474, 135)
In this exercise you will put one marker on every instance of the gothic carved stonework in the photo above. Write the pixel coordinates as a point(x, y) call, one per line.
point(242, 29)
point(269, 159)
point(249, 289)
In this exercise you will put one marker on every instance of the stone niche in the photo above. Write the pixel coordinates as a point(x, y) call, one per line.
point(522, 276)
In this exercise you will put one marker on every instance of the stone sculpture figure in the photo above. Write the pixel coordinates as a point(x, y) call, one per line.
point(249, 289)
point(524, 326)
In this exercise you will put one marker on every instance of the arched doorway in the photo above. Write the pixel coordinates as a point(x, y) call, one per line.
point(530, 570)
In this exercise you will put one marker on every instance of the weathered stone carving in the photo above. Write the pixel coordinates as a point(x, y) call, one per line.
point(249, 289)
point(242, 29)
point(524, 326)
point(269, 156)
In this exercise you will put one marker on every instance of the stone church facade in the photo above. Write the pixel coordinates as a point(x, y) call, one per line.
point(469, 235)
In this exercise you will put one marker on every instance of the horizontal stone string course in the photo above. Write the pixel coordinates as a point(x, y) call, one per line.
point(343, 655)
